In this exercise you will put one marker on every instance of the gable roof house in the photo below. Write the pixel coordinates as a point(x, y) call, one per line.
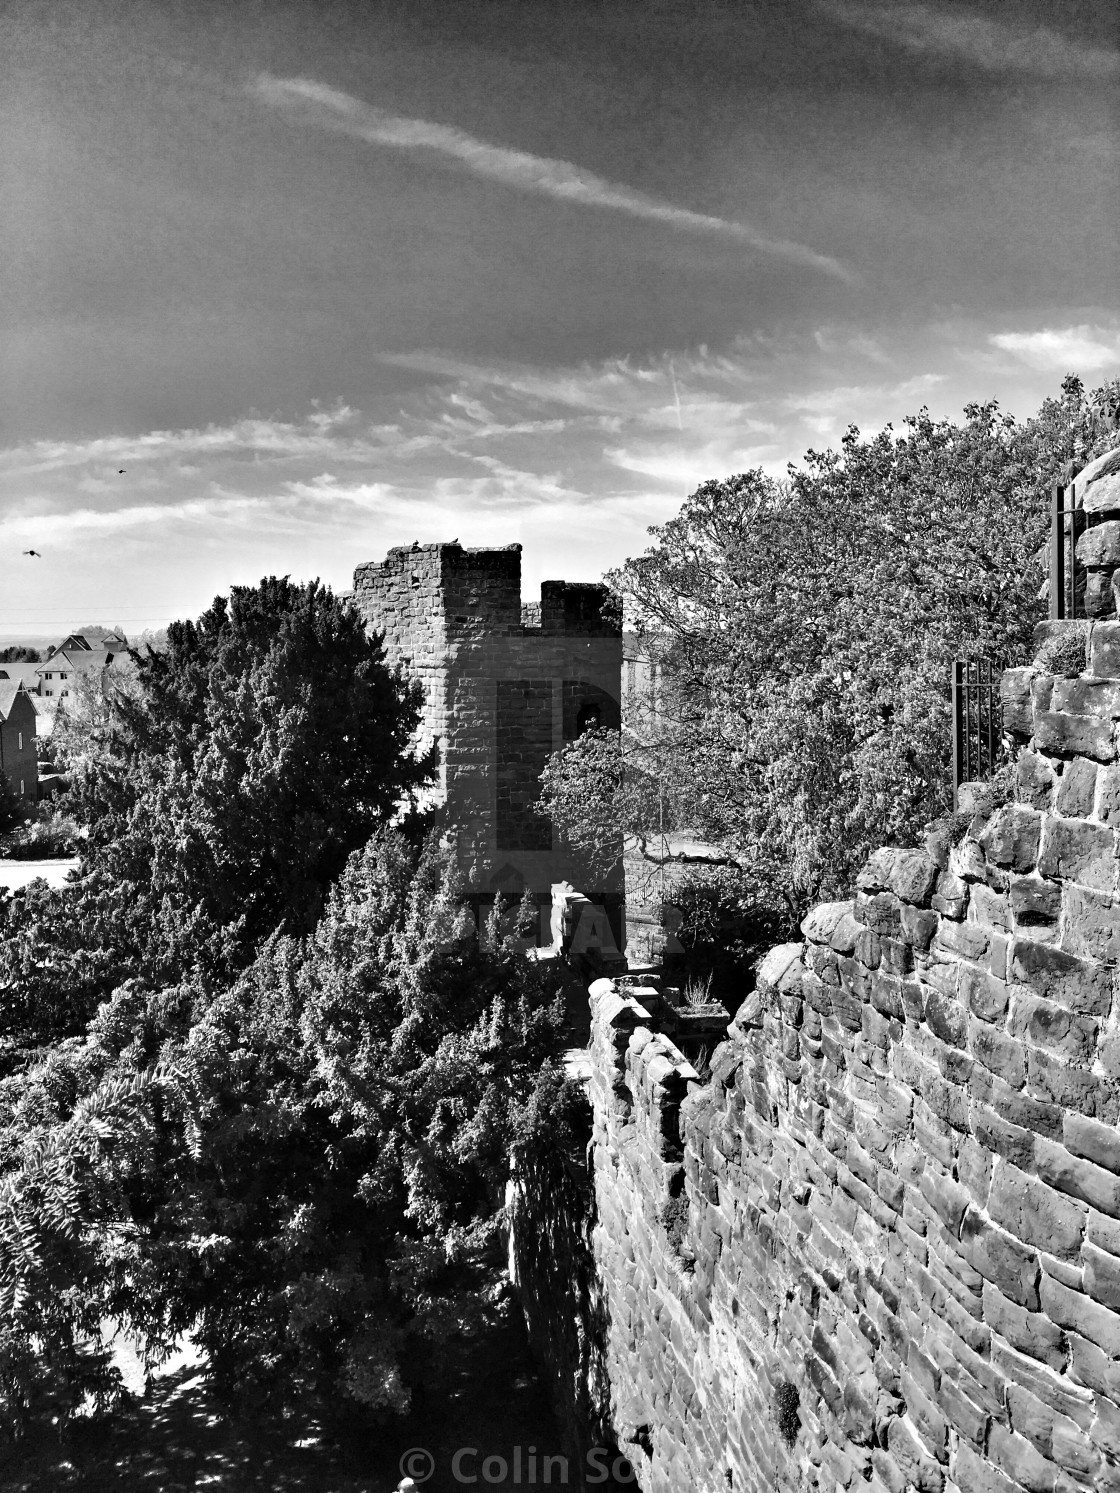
point(17, 740)
point(75, 657)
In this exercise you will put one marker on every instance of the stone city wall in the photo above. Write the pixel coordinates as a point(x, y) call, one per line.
point(1093, 529)
point(880, 1246)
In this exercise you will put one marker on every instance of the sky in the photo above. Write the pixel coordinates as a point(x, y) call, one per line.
point(284, 283)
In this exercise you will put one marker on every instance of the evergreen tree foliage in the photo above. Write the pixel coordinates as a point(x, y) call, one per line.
point(224, 781)
point(306, 1171)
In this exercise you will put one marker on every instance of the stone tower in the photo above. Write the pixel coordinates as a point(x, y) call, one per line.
point(505, 685)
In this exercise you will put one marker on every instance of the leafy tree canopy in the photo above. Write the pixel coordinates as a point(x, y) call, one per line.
point(802, 634)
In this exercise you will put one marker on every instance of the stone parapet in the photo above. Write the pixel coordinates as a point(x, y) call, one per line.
point(879, 1247)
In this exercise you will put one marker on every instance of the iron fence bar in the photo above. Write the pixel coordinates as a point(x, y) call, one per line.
point(1071, 551)
point(1058, 562)
point(977, 722)
point(957, 780)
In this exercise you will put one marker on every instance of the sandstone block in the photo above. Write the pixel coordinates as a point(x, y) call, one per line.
point(880, 911)
point(999, 1053)
point(982, 994)
point(887, 1473)
point(1103, 1231)
point(927, 1418)
point(918, 927)
point(967, 860)
point(1098, 593)
point(1077, 1177)
point(1099, 547)
point(1092, 924)
point(950, 897)
point(1102, 1277)
point(1035, 1213)
point(918, 1468)
point(1062, 978)
point(1065, 735)
point(1084, 696)
point(1093, 1366)
point(947, 1018)
point(1027, 1331)
point(1104, 651)
point(1105, 1431)
point(989, 908)
point(896, 955)
point(910, 874)
point(1001, 1260)
point(1073, 1402)
point(1016, 1136)
point(974, 1167)
point(1051, 1078)
point(1093, 1141)
point(1097, 485)
point(1107, 807)
point(1076, 789)
point(966, 1417)
point(974, 1473)
point(1035, 777)
point(1078, 851)
point(819, 925)
point(965, 940)
point(946, 1197)
point(1034, 1020)
point(886, 994)
point(1073, 1452)
point(869, 948)
point(1015, 700)
point(1042, 685)
point(1010, 838)
point(1035, 905)
point(1080, 1314)
point(1022, 1462)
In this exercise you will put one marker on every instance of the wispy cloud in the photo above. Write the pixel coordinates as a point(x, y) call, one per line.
point(256, 437)
point(1080, 349)
point(574, 461)
point(994, 46)
point(331, 109)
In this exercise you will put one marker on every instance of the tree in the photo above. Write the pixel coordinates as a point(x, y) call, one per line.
point(315, 1177)
point(224, 784)
point(11, 809)
point(802, 634)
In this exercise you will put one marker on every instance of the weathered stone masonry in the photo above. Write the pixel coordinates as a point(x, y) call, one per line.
point(505, 685)
point(899, 1191)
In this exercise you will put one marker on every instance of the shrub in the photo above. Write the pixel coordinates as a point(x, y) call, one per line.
point(55, 835)
point(786, 1403)
point(1064, 652)
point(674, 1220)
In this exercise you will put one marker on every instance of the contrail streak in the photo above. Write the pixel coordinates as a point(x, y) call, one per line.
point(331, 109)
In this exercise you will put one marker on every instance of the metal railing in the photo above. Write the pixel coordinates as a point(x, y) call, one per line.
point(1067, 524)
point(978, 746)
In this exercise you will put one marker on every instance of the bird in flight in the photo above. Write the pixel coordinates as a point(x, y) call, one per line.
point(120, 471)
point(36, 553)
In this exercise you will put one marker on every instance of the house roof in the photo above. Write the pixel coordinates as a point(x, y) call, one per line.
point(9, 690)
point(22, 671)
point(91, 641)
point(79, 661)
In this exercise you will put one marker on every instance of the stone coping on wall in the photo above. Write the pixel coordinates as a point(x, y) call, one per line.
point(880, 1246)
